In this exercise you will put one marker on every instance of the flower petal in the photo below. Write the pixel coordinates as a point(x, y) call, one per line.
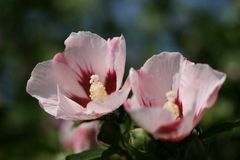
point(68, 109)
point(86, 136)
point(87, 52)
point(80, 138)
point(43, 86)
point(117, 47)
point(151, 118)
point(132, 104)
point(182, 128)
point(205, 81)
point(155, 78)
point(67, 79)
point(111, 102)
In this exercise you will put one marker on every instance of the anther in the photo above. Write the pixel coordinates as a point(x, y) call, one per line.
point(170, 105)
point(97, 89)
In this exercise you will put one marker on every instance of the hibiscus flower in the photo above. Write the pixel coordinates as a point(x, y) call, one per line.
point(80, 138)
point(84, 81)
point(170, 95)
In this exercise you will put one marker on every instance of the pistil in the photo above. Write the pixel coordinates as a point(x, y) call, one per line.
point(170, 104)
point(97, 89)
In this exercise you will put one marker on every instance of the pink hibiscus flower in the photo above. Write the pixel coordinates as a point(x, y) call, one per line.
point(84, 81)
point(81, 138)
point(170, 95)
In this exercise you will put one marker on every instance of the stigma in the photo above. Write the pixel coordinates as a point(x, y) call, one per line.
point(97, 89)
point(170, 104)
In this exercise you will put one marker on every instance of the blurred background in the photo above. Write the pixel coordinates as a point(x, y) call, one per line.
point(33, 31)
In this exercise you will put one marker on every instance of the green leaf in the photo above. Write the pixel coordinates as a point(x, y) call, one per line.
point(108, 153)
point(87, 155)
point(227, 126)
point(192, 148)
point(139, 155)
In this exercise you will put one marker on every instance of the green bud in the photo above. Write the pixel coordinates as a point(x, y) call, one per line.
point(139, 138)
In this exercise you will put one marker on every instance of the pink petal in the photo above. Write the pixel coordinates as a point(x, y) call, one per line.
point(42, 85)
point(151, 118)
point(117, 57)
point(87, 52)
point(177, 77)
point(67, 109)
point(111, 102)
point(67, 79)
point(86, 136)
point(203, 80)
point(70, 110)
point(176, 131)
point(80, 138)
point(155, 78)
point(134, 81)
point(66, 134)
point(184, 126)
point(132, 104)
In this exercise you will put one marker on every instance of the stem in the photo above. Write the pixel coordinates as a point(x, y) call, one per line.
point(220, 128)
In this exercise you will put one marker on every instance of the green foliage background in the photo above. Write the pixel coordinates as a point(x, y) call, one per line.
point(33, 31)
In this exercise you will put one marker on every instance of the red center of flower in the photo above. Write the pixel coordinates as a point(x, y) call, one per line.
point(174, 126)
point(111, 82)
point(84, 79)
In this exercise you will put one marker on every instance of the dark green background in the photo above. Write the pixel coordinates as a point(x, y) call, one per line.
point(32, 31)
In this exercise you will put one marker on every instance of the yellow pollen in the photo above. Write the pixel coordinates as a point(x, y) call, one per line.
point(170, 105)
point(97, 89)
